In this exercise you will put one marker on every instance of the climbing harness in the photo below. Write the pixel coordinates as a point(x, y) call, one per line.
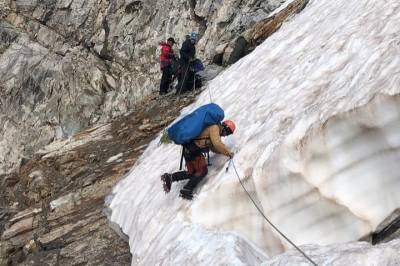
point(261, 212)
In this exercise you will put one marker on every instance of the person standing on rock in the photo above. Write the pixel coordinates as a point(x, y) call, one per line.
point(193, 153)
point(187, 53)
point(166, 59)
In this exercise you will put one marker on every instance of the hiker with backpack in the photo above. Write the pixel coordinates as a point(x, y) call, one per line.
point(208, 116)
point(187, 53)
point(167, 57)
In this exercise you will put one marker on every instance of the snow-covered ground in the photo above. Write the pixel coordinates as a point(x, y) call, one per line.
point(354, 254)
point(318, 136)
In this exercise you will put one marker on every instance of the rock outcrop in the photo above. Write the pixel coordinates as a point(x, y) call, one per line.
point(52, 212)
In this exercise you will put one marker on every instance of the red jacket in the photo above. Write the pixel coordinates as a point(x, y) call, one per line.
point(167, 55)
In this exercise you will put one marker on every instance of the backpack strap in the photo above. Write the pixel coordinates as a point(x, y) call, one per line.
point(200, 138)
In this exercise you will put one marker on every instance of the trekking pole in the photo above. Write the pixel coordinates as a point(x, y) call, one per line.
point(183, 81)
point(194, 84)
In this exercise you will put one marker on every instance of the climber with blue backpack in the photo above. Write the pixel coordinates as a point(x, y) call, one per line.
point(198, 133)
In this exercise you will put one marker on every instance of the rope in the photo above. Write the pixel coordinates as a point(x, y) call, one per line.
point(255, 204)
point(209, 93)
point(270, 223)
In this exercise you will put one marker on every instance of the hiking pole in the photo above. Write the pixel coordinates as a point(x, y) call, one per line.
point(270, 223)
point(183, 80)
point(194, 84)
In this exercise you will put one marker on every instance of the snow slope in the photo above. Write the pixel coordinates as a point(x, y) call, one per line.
point(318, 136)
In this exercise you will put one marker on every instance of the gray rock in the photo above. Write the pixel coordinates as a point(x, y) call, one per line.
point(18, 228)
point(388, 230)
point(5, 249)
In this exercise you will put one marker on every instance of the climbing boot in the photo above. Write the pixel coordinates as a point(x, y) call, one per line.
point(186, 194)
point(167, 181)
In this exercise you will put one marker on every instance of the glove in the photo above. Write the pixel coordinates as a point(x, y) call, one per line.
point(230, 155)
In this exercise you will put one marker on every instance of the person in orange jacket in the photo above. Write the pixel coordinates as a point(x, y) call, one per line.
point(166, 58)
point(209, 139)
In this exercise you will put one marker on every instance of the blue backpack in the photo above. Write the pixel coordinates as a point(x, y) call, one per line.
point(191, 126)
point(197, 66)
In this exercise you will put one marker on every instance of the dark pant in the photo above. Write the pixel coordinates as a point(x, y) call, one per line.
point(165, 79)
point(196, 167)
point(190, 81)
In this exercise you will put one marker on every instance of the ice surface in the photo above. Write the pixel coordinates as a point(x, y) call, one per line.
point(354, 254)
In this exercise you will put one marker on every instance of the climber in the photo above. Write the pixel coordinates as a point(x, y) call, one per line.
point(167, 57)
point(193, 153)
point(187, 53)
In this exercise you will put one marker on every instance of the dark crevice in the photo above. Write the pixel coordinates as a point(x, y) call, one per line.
point(104, 53)
point(303, 6)
point(7, 35)
point(218, 59)
point(134, 7)
point(386, 232)
point(200, 20)
point(240, 49)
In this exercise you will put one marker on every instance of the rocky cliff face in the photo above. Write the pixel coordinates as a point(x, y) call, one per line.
point(52, 211)
point(69, 64)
